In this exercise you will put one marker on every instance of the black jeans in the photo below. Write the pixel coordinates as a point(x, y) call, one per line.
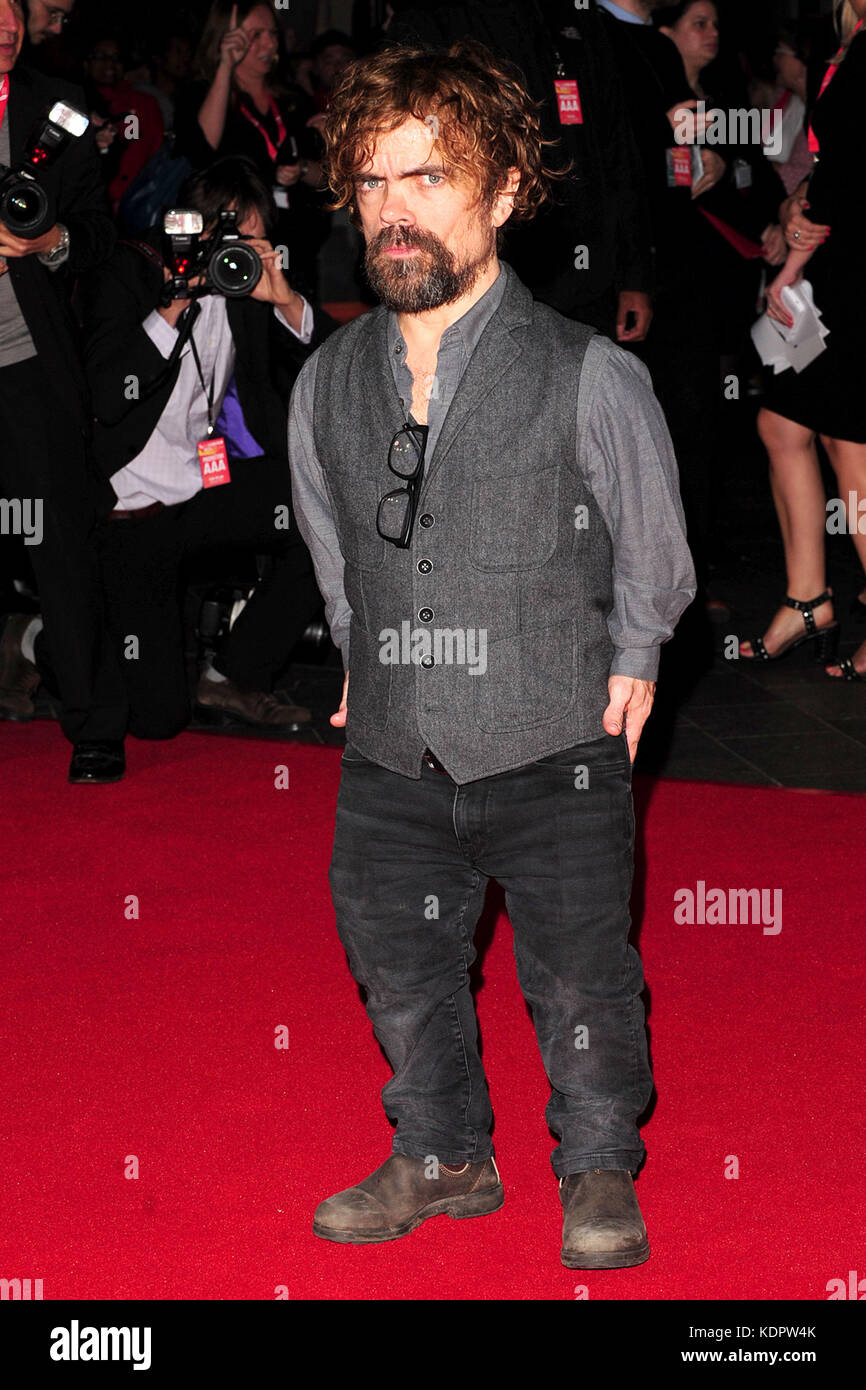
point(410, 864)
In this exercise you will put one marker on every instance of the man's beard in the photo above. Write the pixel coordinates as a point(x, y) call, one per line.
point(411, 284)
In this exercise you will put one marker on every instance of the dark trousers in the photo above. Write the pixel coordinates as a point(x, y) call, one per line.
point(682, 351)
point(142, 568)
point(410, 864)
point(42, 456)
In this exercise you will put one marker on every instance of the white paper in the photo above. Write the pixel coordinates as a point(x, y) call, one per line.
point(781, 347)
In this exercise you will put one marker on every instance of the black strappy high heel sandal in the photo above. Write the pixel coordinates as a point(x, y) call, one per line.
point(848, 669)
point(826, 639)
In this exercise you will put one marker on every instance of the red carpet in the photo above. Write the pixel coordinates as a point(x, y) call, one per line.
point(154, 1038)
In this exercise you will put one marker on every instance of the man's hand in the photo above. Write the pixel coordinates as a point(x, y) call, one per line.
point(339, 719)
point(274, 288)
point(631, 701)
point(14, 247)
point(639, 304)
point(172, 312)
point(714, 169)
point(800, 232)
point(687, 124)
point(104, 131)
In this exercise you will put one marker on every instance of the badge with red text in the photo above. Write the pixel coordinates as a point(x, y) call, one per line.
point(214, 462)
point(685, 166)
point(568, 100)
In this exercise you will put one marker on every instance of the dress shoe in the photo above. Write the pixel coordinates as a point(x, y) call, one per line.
point(19, 678)
point(227, 702)
point(603, 1226)
point(399, 1196)
point(97, 761)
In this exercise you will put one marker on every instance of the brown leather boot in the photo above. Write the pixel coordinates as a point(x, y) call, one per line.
point(399, 1196)
point(19, 678)
point(603, 1226)
point(224, 698)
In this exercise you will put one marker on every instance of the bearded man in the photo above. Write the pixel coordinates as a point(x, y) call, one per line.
point(468, 464)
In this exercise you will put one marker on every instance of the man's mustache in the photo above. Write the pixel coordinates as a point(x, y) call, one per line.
point(402, 236)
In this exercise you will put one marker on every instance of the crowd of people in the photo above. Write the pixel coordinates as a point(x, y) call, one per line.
point(144, 405)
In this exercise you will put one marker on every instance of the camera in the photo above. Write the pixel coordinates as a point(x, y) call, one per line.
point(26, 208)
point(225, 263)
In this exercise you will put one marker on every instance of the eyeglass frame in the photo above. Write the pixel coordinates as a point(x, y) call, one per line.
point(412, 481)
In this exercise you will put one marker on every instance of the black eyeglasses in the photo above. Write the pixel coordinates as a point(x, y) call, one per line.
point(396, 514)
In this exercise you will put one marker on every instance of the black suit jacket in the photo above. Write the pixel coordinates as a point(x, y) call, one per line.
point(603, 203)
point(112, 305)
point(75, 180)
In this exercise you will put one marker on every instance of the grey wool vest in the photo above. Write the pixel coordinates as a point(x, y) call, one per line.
point(486, 639)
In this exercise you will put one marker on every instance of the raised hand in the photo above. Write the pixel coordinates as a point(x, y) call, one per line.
point(234, 42)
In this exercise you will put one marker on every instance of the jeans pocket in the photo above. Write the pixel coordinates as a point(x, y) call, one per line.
point(605, 754)
point(352, 756)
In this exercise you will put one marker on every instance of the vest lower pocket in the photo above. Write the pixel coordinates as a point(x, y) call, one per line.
point(369, 699)
point(531, 679)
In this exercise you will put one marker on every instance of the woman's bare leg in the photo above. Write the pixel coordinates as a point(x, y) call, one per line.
point(798, 492)
point(849, 465)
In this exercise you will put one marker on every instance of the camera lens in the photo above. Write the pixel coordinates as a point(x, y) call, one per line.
point(235, 270)
point(24, 208)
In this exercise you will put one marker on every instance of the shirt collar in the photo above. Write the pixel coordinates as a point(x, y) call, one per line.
point(619, 13)
point(469, 327)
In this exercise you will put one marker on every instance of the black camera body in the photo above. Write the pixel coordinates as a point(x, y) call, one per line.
point(223, 260)
point(26, 207)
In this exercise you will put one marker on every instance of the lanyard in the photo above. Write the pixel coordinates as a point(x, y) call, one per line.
point(814, 144)
point(4, 96)
point(272, 149)
point(208, 393)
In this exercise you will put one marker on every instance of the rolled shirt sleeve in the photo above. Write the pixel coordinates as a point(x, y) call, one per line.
point(626, 454)
point(160, 333)
point(307, 322)
point(312, 508)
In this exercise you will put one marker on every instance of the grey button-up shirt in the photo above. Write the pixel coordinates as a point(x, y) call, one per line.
point(627, 459)
point(456, 346)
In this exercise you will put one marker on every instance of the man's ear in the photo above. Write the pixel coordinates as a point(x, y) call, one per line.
point(504, 204)
point(666, 29)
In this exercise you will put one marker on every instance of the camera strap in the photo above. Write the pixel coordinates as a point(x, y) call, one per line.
point(186, 320)
point(4, 96)
point(212, 451)
point(208, 393)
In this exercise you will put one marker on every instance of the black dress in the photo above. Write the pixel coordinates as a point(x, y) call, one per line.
point(829, 396)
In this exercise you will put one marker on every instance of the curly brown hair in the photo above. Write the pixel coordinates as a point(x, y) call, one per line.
point(483, 121)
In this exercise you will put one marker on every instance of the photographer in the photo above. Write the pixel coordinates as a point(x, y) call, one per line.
point(243, 108)
point(128, 122)
point(44, 414)
point(162, 373)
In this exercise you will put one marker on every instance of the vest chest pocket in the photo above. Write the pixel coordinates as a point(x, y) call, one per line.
point(360, 542)
point(515, 521)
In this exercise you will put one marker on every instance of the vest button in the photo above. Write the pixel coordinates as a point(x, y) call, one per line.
point(428, 661)
point(426, 519)
point(426, 615)
point(425, 566)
